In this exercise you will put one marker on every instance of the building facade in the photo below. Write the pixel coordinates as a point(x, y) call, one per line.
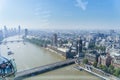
point(105, 60)
point(1, 35)
point(54, 40)
point(116, 61)
point(26, 32)
point(79, 47)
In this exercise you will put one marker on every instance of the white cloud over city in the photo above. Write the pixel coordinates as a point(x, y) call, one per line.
point(82, 4)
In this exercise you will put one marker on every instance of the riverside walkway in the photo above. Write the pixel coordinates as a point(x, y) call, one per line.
point(41, 69)
point(88, 70)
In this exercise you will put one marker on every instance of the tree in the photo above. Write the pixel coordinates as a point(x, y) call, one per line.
point(100, 66)
point(111, 69)
point(117, 72)
point(85, 61)
point(104, 68)
point(102, 48)
point(95, 64)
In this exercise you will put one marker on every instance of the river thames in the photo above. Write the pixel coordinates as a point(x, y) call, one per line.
point(29, 56)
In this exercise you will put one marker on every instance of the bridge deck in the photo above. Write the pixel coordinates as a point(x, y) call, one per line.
point(4, 42)
point(42, 69)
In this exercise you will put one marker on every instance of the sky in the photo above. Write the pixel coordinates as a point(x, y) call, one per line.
point(60, 14)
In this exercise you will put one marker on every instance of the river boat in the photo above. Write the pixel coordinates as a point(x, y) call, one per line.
point(10, 53)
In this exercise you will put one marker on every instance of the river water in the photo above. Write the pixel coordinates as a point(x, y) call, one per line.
point(29, 56)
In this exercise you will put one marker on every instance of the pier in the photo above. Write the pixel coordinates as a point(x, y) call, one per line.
point(41, 69)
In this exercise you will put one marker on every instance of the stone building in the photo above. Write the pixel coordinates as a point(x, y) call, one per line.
point(116, 61)
point(105, 60)
point(92, 57)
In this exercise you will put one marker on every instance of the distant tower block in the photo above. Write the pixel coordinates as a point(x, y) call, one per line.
point(5, 32)
point(1, 35)
point(79, 47)
point(54, 40)
point(26, 32)
point(19, 29)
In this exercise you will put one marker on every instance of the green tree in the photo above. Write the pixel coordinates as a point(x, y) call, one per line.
point(104, 68)
point(95, 64)
point(111, 69)
point(102, 48)
point(117, 72)
point(85, 61)
point(100, 66)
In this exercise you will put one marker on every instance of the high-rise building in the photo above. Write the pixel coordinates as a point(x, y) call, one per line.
point(15, 31)
point(19, 29)
point(54, 40)
point(26, 32)
point(1, 35)
point(79, 47)
point(79, 55)
point(5, 32)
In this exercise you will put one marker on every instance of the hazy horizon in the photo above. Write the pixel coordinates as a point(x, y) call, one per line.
point(60, 14)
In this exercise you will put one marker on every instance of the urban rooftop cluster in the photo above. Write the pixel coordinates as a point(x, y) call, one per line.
point(101, 49)
point(98, 48)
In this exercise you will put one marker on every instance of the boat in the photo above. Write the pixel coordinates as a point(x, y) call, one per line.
point(8, 48)
point(10, 53)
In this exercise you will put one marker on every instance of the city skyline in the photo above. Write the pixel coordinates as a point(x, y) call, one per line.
point(60, 14)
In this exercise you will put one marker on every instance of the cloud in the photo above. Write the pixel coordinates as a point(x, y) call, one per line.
point(42, 12)
point(81, 4)
point(2, 4)
point(43, 15)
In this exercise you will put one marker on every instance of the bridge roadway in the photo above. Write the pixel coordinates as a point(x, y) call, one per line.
point(41, 69)
point(12, 41)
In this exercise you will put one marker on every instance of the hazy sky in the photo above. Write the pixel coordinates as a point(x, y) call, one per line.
point(60, 14)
